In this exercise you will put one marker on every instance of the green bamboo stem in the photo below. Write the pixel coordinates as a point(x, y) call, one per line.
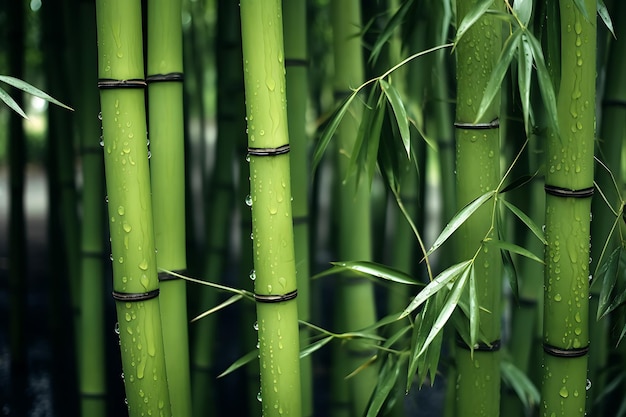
point(355, 301)
point(477, 166)
point(270, 197)
point(569, 165)
point(165, 104)
point(296, 62)
point(130, 209)
point(92, 367)
point(608, 150)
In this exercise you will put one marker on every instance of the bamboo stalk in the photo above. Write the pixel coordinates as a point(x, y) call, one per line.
point(477, 171)
point(135, 282)
point(165, 104)
point(270, 196)
point(569, 167)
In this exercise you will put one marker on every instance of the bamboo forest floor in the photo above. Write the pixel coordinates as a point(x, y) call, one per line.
point(46, 378)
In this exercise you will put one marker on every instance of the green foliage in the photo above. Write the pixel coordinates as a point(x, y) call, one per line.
point(24, 86)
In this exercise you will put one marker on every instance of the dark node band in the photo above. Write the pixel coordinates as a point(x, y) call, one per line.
point(129, 297)
point(480, 347)
point(109, 83)
point(614, 102)
point(566, 192)
point(269, 298)
point(172, 76)
point(169, 276)
point(494, 124)
point(295, 62)
point(281, 150)
point(565, 353)
point(94, 395)
point(527, 302)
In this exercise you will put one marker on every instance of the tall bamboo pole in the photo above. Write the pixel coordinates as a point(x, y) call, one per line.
point(92, 367)
point(478, 171)
point(296, 63)
point(355, 302)
point(167, 173)
point(270, 196)
point(135, 282)
point(569, 186)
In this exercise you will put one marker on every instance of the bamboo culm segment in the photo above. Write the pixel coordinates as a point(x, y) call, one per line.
point(477, 166)
point(270, 200)
point(569, 165)
point(120, 71)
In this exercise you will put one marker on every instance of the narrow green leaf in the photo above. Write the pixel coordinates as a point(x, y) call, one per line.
point(233, 299)
point(400, 112)
point(359, 152)
point(392, 24)
point(580, 5)
point(545, 83)
point(604, 15)
point(24, 86)
point(378, 270)
point(526, 220)
point(386, 380)
point(459, 219)
point(517, 183)
point(511, 247)
point(608, 274)
point(523, 9)
point(524, 75)
point(248, 357)
point(471, 17)
point(435, 285)
point(448, 307)
point(374, 137)
point(521, 384)
point(315, 346)
point(331, 128)
point(473, 308)
point(510, 272)
point(498, 73)
point(11, 103)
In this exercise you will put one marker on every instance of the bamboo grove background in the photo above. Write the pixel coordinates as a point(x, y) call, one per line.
point(440, 181)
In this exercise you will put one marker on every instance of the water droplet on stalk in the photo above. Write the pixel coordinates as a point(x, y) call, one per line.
point(252, 274)
point(116, 329)
point(255, 326)
point(259, 397)
point(248, 200)
point(588, 385)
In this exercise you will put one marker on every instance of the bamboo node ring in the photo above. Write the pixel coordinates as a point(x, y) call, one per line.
point(172, 76)
point(279, 298)
point(281, 150)
point(494, 124)
point(566, 192)
point(109, 83)
point(134, 297)
point(565, 353)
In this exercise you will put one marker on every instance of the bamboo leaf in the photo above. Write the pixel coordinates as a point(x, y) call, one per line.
point(315, 346)
point(233, 299)
point(473, 308)
point(459, 219)
point(471, 17)
point(526, 220)
point(248, 357)
point(580, 5)
point(378, 270)
point(608, 274)
point(12, 103)
point(606, 18)
point(400, 112)
point(511, 247)
point(521, 384)
point(385, 382)
point(518, 182)
point(331, 128)
point(448, 308)
point(498, 73)
point(440, 281)
point(24, 86)
point(524, 75)
point(390, 27)
point(545, 83)
point(523, 10)
point(510, 272)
